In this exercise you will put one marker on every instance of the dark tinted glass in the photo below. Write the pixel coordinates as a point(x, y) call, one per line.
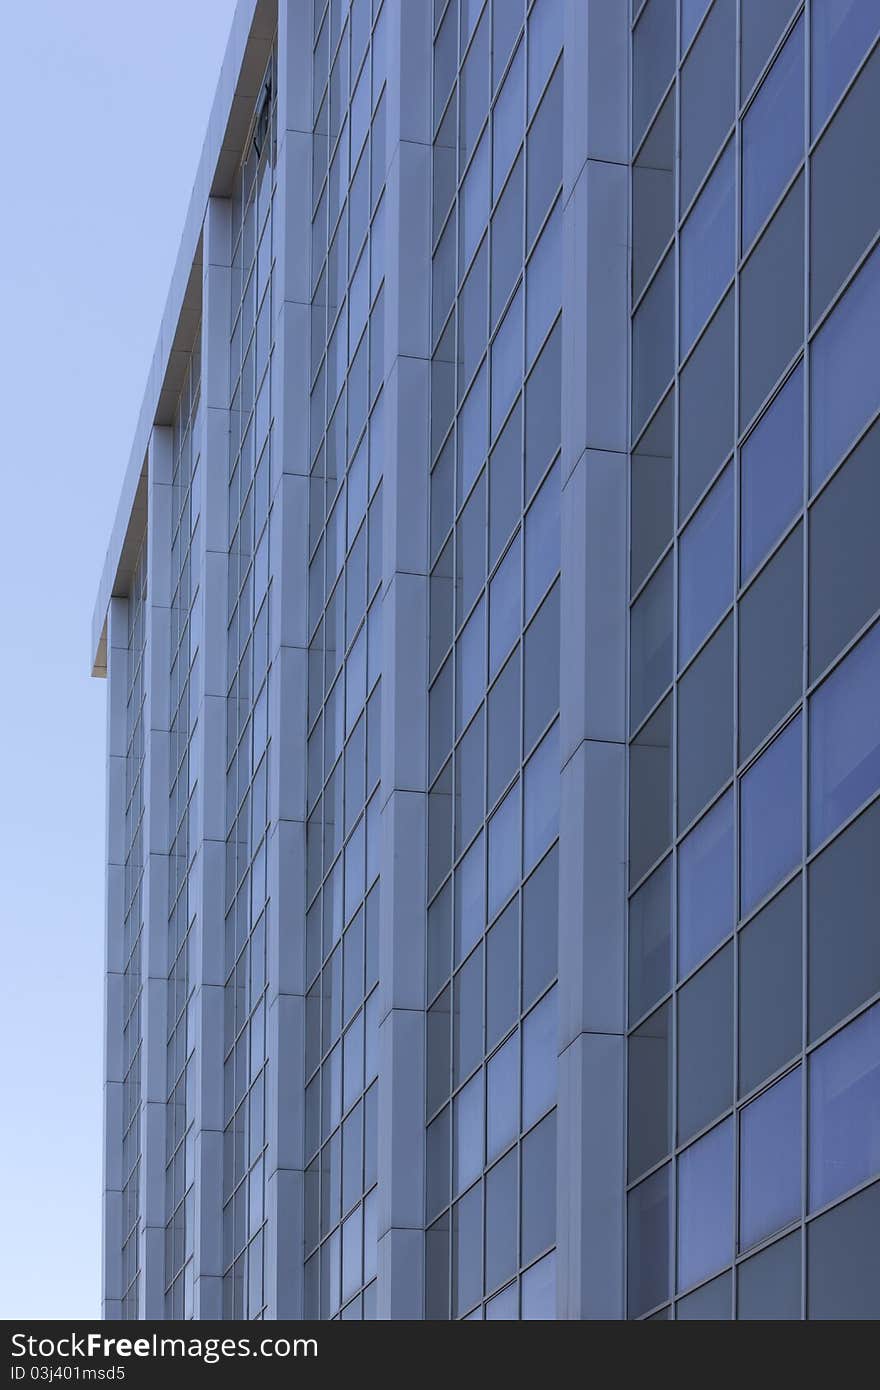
point(467, 1019)
point(650, 941)
point(507, 240)
point(543, 410)
point(708, 94)
point(844, 553)
point(771, 807)
point(504, 728)
point(467, 1251)
point(652, 343)
point(845, 188)
point(706, 567)
point(845, 372)
point(539, 1189)
point(711, 1303)
point(772, 472)
point(773, 134)
point(845, 1109)
point(705, 1044)
point(845, 738)
point(706, 418)
point(705, 724)
point(501, 1198)
point(653, 60)
point(649, 1129)
point(544, 156)
point(842, 34)
point(708, 248)
point(705, 885)
point(771, 644)
point(470, 782)
point(502, 975)
point(770, 1162)
point(650, 789)
point(769, 1284)
point(505, 484)
point(540, 927)
point(770, 953)
point(648, 1230)
point(843, 1260)
point(653, 195)
point(772, 303)
point(651, 502)
point(705, 1205)
point(762, 23)
point(844, 943)
point(541, 668)
point(651, 643)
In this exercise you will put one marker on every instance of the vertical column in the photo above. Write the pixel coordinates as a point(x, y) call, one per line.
point(592, 902)
point(404, 673)
point(208, 751)
point(154, 964)
point(288, 658)
point(117, 681)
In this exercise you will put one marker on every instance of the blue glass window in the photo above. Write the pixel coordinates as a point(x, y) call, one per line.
point(772, 472)
point(842, 34)
point(648, 1243)
point(706, 567)
point(770, 807)
point(705, 885)
point(770, 1160)
point(540, 1048)
point(845, 371)
point(705, 1206)
point(707, 249)
point(845, 1109)
point(845, 738)
point(773, 134)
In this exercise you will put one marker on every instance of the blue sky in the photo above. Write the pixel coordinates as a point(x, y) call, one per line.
point(103, 108)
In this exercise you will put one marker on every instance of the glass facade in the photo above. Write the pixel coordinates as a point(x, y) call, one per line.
point(754, 762)
point(347, 423)
point(493, 701)
point(498, 935)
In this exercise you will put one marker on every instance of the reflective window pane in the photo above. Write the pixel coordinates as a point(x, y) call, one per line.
point(770, 1160)
point(705, 885)
point(651, 643)
point(705, 1044)
point(845, 372)
point(708, 95)
point(772, 472)
point(706, 567)
point(538, 1229)
point(762, 23)
point(771, 644)
point(502, 975)
point(540, 901)
point(843, 1260)
point(538, 1290)
point(541, 798)
point(705, 427)
point(541, 669)
point(653, 343)
point(711, 1303)
point(842, 33)
point(649, 1124)
point(540, 1048)
point(648, 1230)
point(652, 493)
point(650, 941)
point(653, 195)
point(769, 1284)
point(502, 1106)
point(708, 241)
point(653, 60)
point(844, 943)
point(773, 134)
point(845, 738)
point(650, 788)
point(705, 1205)
point(772, 303)
point(770, 1008)
point(705, 722)
point(504, 850)
point(467, 1251)
point(770, 812)
point(845, 1109)
point(501, 1199)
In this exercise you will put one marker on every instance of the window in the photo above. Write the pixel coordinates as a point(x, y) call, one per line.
point(541, 669)
point(538, 1290)
point(651, 502)
point(771, 811)
point(502, 975)
point(504, 728)
point(467, 1251)
point(710, 1303)
point(769, 1284)
point(762, 23)
point(772, 472)
point(844, 555)
point(844, 1260)
point(507, 240)
point(502, 1084)
point(845, 372)
point(705, 885)
point(501, 1215)
point(541, 798)
point(650, 786)
point(652, 343)
point(772, 303)
point(708, 245)
point(705, 1205)
point(842, 33)
point(467, 1018)
point(651, 643)
point(771, 644)
point(543, 540)
point(543, 411)
point(505, 607)
point(540, 926)
point(708, 95)
point(653, 195)
point(650, 941)
point(770, 988)
point(705, 724)
point(845, 738)
point(844, 943)
point(544, 154)
point(649, 1128)
point(539, 1189)
point(707, 406)
point(770, 1160)
point(773, 134)
point(504, 851)
point(845, 1109)
point(845, 188)
point(653, 60)
point(505, 484)
point(705, 1044)
point(706, 566)
point(540, 1048)
point(648, 1228)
